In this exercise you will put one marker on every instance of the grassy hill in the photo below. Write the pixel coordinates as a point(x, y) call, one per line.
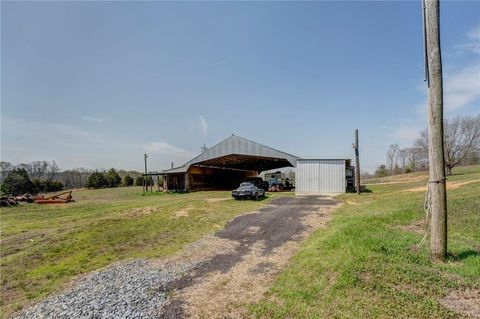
point(367, 264)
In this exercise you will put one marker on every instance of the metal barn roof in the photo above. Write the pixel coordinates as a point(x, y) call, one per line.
point(237, 152)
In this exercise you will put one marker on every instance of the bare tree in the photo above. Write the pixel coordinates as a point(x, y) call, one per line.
point(25, 166)
point(462, 140)
point(5, 168)
point(38, 169)
point(392, 156)
point(52, 171)
point(415, 156)
point(402, 158)
point(462, 137)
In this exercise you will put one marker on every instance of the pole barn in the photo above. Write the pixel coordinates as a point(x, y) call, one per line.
point(226, 165)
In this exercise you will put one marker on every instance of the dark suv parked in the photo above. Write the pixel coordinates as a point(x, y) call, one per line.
point(259, 182)
point(248, 190)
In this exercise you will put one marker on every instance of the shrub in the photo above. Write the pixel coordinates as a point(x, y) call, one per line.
point(128, 180)
point(381, 171)
point(52, 186)
point(149, 181)
point(97, 180)
point(139, 181)
point(17, 182)
point(113, 179)
point(38, 185)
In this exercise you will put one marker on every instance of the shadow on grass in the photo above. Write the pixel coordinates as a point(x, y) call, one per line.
point(464, 255)
point(258, 200)
point(157, 193)
point(363, 190)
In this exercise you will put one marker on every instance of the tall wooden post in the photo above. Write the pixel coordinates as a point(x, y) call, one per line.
point(145, 156)
point(357, 164)
point(437, 183)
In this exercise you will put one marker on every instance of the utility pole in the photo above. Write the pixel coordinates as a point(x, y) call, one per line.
point(437, 182)
point(357, 163)
point(145, 156)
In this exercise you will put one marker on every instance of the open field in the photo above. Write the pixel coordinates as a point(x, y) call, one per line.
point(44, 247)
point(366, 264)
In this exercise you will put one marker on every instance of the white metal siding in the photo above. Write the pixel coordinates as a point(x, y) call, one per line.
point(320, 176)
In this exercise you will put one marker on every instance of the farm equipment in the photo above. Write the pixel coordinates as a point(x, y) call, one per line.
point(27, 197)
point(350, 178)
point(278, 181)
point(8, 200)
point(55, 199)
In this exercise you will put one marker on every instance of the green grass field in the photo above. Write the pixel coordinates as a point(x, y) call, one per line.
point(45, 246)
point(366, 264)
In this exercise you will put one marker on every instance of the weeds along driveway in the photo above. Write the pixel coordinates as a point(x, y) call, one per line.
point(213, 277)
point(249, 252)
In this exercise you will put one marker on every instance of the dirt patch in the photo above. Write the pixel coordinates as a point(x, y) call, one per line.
point(262, 268)
point(351, 202)
point(415, 227)
point(182, 212)
point(465, 302)
point(216, 200)
point(450, 185)
point(135, 212)
point(257, 247)
point(455, 185)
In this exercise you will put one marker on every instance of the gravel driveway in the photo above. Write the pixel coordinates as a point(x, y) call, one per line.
point(212, 278)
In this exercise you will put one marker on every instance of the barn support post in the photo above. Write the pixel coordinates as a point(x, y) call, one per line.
point(145, 185)
point(437, 182)
point(357, 163)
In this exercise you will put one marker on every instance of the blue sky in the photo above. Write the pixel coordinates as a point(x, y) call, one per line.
point(97, 84)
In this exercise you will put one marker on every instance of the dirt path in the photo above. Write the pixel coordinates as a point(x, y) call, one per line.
point(239, 263)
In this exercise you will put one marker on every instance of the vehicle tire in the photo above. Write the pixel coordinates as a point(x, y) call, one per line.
point(256, 196)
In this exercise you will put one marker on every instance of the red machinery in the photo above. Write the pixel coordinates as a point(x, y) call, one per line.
point(55, 199)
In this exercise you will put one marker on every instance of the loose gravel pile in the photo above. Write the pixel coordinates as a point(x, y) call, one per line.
point(124, 290)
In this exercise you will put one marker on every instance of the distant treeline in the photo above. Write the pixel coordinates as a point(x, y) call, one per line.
point(45, 176)
point(462, 147)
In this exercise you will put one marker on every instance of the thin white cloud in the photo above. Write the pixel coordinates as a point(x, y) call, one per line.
point(38, 129)
point(163, 148)
point(472, 43)
point(94, 119)
point(462, 88)
point(198, 125)
point(203, 125)
point(25, 140)
point(408, 130)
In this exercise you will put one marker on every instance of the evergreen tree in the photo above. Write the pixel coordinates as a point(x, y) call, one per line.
point(97, 180)
point(113, 179)
point(18, 182)
point(128, 180)
point(139, 180)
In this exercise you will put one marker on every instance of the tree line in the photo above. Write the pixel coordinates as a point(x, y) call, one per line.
point(462, 147)
point(44, 176)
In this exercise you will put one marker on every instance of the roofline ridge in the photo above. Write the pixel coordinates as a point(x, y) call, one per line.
point(208, 149)
point(274, 149)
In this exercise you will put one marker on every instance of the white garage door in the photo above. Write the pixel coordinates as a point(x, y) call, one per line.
point(320, 176)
